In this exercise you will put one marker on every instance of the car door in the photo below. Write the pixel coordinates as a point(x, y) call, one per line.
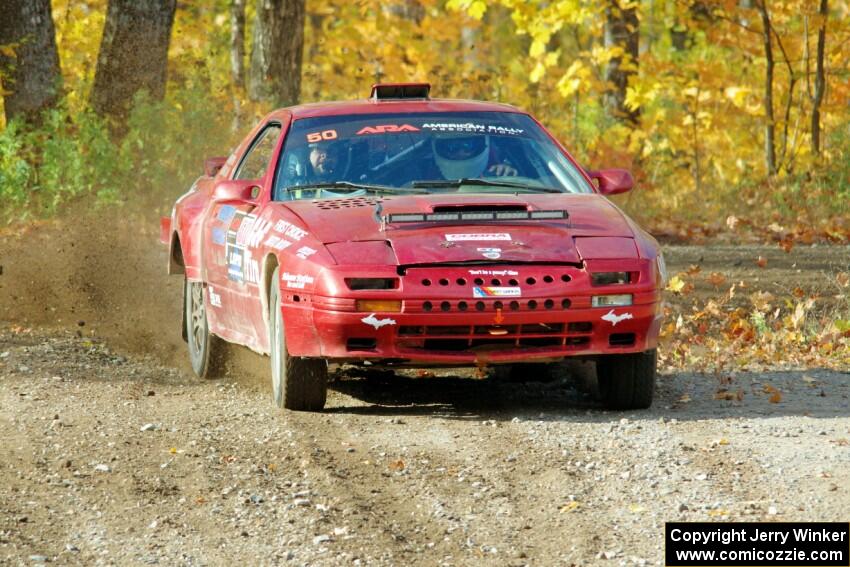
point(232, 272)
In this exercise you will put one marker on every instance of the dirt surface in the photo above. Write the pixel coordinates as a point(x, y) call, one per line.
point(113, 454)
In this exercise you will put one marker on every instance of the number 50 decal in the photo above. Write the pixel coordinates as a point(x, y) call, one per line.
point(319, 136)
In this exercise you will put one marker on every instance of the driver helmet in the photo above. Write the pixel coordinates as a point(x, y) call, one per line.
point(324, 158)
point(460, 156)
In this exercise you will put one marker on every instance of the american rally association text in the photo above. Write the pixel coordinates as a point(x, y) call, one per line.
point(756, 534)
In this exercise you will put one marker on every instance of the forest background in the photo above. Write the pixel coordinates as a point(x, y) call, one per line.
point(733, 115)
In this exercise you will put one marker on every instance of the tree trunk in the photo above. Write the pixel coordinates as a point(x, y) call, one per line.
point(820, 78)
point(278, 45)
point(621, 29)
point(770, 126)
point(237, 42)
point(133, 54)
point(31, 78)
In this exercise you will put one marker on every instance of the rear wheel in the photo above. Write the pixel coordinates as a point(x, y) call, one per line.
point(206, 351)
point(299, 384)
point(627, 381)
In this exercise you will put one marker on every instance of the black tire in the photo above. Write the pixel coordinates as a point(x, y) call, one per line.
point(206, 351)
point(299, 384)
point(627, 381)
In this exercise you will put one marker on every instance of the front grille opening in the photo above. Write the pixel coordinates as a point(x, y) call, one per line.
point(532, 305)
point(446, 344)
point(577, 341)
point(540, 342)
point(542, 328)
point(580, 327)
point(548, 304)
point(409, 330)
point(449, 330)
point(565, 304)
point(357, 284)
point(479, 306)
point(427, 306)
point(445, 306)
point(361, 343)
point(621, 339)
point(463, 306)
point(514, 305)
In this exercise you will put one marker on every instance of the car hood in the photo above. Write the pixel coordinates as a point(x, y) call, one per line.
point(339, 223)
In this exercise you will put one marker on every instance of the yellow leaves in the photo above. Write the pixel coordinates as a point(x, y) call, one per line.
point(538, 48)
point(676, 284)
point(576, 75)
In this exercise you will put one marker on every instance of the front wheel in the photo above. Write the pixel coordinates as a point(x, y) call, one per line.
point(206, 351)
point(299, 384)
point(627, 381)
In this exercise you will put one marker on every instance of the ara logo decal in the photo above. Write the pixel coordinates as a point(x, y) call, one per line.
point(377, 323)
point(387, 129)
point(614, 319)
point(491, 253)
point(496, 291)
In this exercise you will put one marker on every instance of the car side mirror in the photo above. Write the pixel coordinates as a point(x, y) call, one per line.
point(213, 165)
point(236, 190)
point(612, 181)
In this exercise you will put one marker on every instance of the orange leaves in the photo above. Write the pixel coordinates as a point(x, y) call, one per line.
point(775, 395)
point(761, 262)
point(716, 279)
point(729, 396)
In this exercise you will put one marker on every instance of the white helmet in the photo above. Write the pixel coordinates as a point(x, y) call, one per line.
point(461, 156)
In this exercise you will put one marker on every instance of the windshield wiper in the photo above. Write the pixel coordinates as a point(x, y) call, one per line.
point(348, 185)
point(482, 182)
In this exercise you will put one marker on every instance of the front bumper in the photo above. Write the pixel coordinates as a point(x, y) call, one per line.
point(490, 336)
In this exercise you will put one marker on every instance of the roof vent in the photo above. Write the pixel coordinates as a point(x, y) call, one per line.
point(396, 91)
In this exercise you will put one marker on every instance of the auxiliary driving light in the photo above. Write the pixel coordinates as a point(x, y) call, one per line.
point(377, 306)
point(620, 300)
point(609, 278)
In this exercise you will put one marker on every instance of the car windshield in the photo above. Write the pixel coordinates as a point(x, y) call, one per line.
point(465, 152)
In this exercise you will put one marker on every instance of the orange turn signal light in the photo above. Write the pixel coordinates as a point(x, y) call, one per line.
point(378, 305)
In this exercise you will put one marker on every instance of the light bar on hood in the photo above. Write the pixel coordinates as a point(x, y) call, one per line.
point(476, 216)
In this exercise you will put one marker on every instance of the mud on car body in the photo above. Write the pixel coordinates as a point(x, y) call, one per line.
point(409, 231)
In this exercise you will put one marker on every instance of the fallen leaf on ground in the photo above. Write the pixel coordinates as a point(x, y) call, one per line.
point(761, 262)
point(570, 507)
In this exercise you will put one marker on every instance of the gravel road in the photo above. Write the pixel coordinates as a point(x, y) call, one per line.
point(114, 455)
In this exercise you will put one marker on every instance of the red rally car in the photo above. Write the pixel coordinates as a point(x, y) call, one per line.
point(408, 231)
